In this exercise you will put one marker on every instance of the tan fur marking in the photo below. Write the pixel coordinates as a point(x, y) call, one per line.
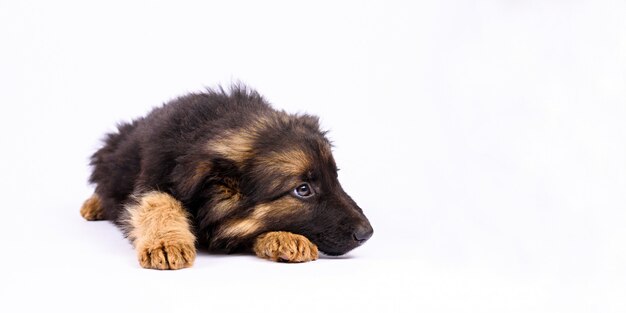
point(92, 209)
point(279, 208)
point(240, 227)
point(291, 162)
point(255, 221)
point(159, 228)
point(237, 145)
point(285, 246)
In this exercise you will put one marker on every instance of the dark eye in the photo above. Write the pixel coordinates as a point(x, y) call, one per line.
point(303, 190)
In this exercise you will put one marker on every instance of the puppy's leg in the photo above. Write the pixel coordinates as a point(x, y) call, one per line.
point(285, 246)
point(159, 228)
point(92, 209)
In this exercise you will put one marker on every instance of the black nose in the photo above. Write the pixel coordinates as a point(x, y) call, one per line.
point(363, 233)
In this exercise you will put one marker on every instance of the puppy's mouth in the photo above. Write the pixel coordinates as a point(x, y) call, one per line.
point(336, 248)
point(336, 245)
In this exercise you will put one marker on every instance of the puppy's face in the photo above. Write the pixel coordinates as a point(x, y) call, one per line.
point(275, 174)
point(294, 182)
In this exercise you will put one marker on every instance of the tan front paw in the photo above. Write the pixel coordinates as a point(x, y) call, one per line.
point(285, 247)
point(166, 255)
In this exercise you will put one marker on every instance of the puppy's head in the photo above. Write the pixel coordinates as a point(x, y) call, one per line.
point(291, 180)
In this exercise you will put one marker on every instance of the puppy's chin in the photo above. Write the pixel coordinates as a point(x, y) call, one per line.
point(332, 253)
point(335, 250)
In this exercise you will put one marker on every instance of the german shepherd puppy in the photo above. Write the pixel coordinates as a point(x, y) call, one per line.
point(226, 171)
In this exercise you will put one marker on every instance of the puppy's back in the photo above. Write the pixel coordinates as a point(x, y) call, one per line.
point(144, 152)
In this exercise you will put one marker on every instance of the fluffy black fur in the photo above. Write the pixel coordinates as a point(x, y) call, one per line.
point(169, 150)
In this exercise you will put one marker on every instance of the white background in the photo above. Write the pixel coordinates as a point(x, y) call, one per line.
point(485, 140)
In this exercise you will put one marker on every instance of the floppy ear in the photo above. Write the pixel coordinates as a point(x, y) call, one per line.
point(194, 173)
point(189, 175)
